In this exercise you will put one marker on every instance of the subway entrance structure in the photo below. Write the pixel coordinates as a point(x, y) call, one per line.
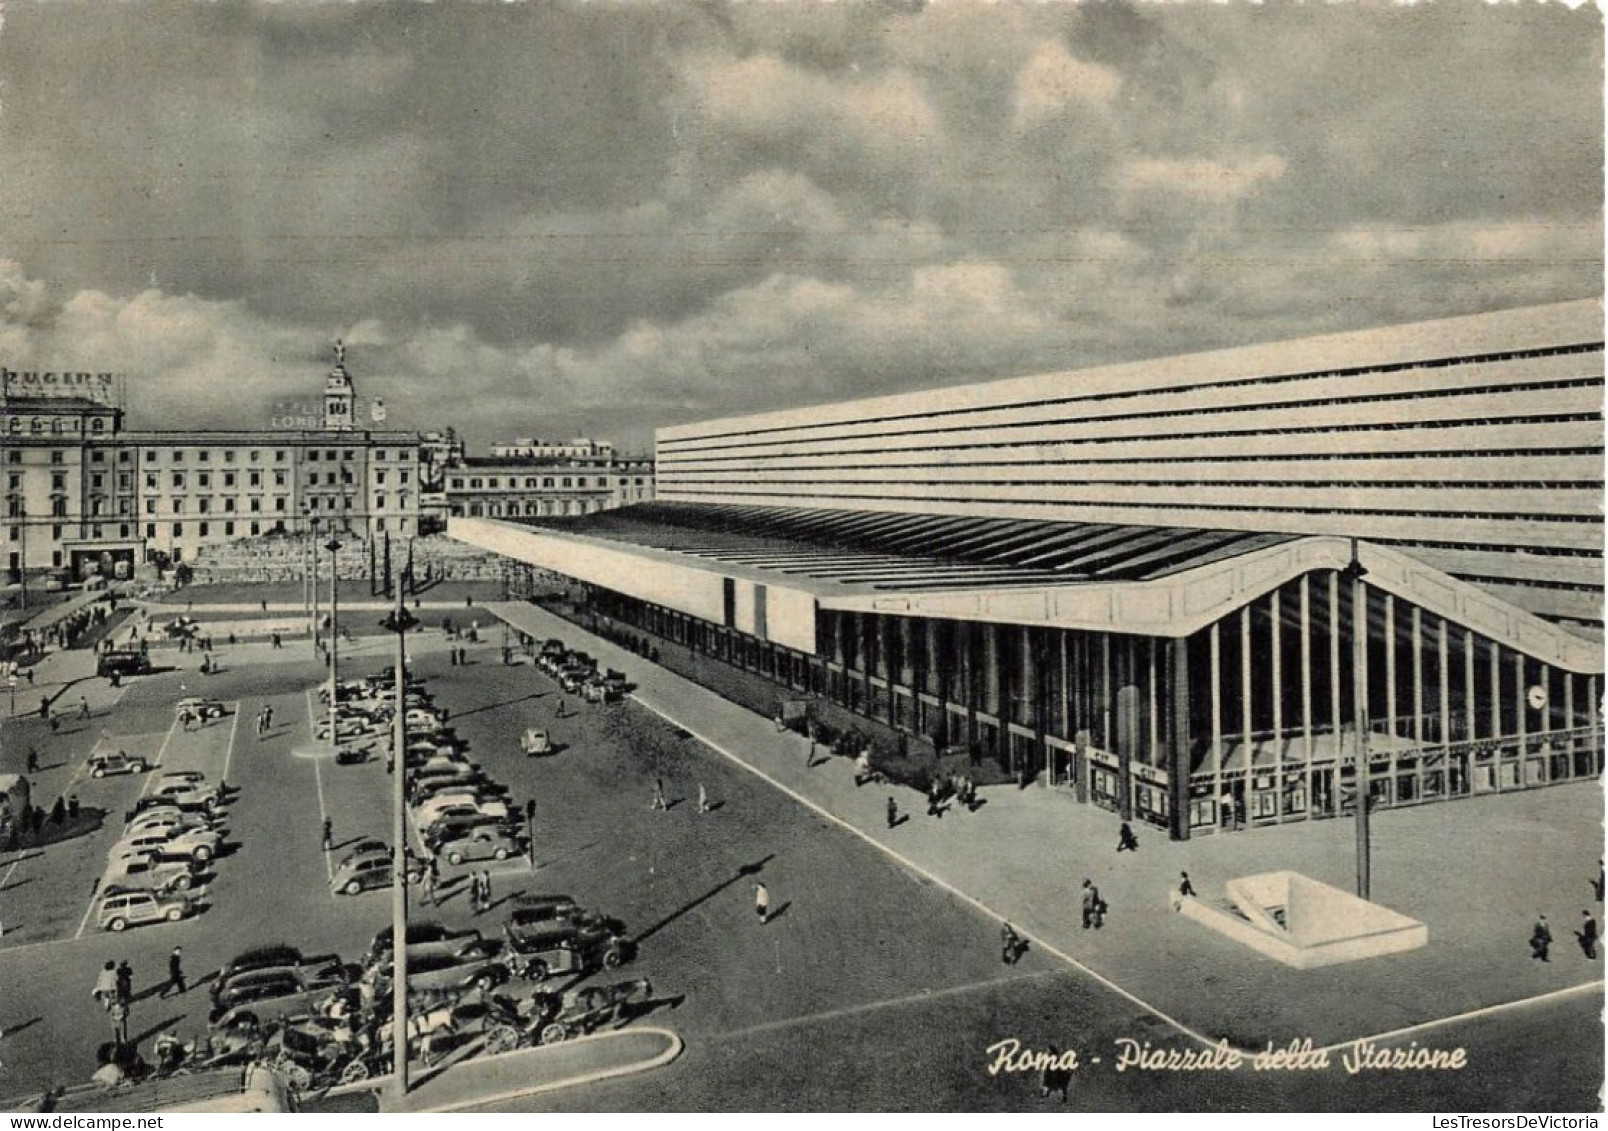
point(1197, 591)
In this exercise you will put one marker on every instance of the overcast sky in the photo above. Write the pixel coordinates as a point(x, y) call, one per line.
point(594, 219)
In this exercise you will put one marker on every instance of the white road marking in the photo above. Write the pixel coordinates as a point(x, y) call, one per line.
point(234, 726)
point(1396, 1035)
point(922, 998)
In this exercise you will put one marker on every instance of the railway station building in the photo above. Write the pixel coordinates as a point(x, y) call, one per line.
point(1216, 590)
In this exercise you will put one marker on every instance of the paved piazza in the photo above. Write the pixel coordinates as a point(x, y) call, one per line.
point(877, 983)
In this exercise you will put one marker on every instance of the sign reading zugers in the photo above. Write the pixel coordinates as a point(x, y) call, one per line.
point(37, 382)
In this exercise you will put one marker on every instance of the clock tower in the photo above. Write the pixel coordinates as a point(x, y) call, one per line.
point(340, 398)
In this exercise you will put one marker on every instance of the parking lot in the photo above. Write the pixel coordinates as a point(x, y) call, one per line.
point(868, 987)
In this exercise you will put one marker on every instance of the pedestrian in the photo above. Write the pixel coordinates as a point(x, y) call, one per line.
point(560, 712)
point(33, 760)
point(329, 834)
point(265, 606)
point(119, 1014)
point(1540, 939)
point(893, 812)
point(935, 800)
point(703, 798)
point(1185, 888)
point(267, 718)
point(1126, 841)
point(1597, 884)
point(1588, 934)
point(29, 674)
point(44, 707)
point(659, 801)
point(452, 657)
point(125, 982)
point(175, 982)
point(1010, 945)
point(809, 751)
point(1093, 906)
point(72, 807)
point(105, 991)
point(762, 903)
point(485, 891)
point(58, 811)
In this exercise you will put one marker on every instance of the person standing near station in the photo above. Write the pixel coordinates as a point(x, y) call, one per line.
point(1540, 939)
point(329, 834)
point(1588, 934)
point(659, 800)
point(762, 902)
point(893, 812)
point(1093, 908)
point(1126, 841)
point(175, 982)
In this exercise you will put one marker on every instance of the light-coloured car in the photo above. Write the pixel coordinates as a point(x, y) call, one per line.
point(361, 871)
point(200, 845)
point(116, 762)
point(536, 741)
point(180, 792)
point(121, 910)
point(139, 870)
point(432, 810)
point(166, 821)
point(485, 843)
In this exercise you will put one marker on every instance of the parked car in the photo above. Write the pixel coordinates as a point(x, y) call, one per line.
point(536, 742)
point(274, 957)
point(458, 803)
point(168, 803)
point(474, 965)
point(131, 908)
point(451, 825)
point(159, 811)
point(486, 843)
point(200, 845)
point(421, 933)
point(141, 870)
point(252, 999)
point(180, 792)
point(116, 762)
point(201, 708)
point(538, 950)
point(166, 821)
point(361, 871)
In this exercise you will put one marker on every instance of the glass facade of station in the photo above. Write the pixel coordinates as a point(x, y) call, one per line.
point(1253, 720)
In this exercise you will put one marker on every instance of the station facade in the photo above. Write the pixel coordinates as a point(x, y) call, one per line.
point(1226, 589)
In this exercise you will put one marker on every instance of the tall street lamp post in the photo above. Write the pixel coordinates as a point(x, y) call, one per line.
point(399, 622)
point(1359, 704)
point(334, 628)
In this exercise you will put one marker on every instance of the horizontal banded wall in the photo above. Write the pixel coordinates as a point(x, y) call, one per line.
point(1475, 444)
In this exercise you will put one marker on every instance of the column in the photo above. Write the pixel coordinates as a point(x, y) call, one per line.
point(1178, 764)
point(1521, 714)
point(1037, 684)
point(1334, 669)
point(1306, 676)
point(1418, 679)
point(1245, 704)
point(966, 639)
point(1216, 691)
point(1471, 718)
point(1444, 654)
point(1276, 654)
point(1153, 755)
point(1495, 664)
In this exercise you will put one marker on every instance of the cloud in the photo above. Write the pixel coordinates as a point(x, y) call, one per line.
point(1052, 80)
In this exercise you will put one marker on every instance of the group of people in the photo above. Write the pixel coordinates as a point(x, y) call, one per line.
point(265, 720)
point(114, 990)
point(1588, 934)
point(14, 827)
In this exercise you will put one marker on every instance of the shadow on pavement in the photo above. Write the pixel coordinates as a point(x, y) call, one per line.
point(737, 877)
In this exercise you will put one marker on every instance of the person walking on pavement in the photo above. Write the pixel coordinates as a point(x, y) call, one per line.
point(83, 707)
point(1588, 934)
point(329, 834)
point(33, 760)
point(703, 798)
point(1093, 909)
point(1126, 841)
point(1597, 884)
point(175, 982)
point(659, 801)
point(432, 879)
point(485, 890)
point(893, 812)
point(762, 903)
point(1010, 945)
point(125, 982)
point(267, 717)
point(1185, 888)
point(119, 1013)
point(105, 991)
point(1540, 939)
